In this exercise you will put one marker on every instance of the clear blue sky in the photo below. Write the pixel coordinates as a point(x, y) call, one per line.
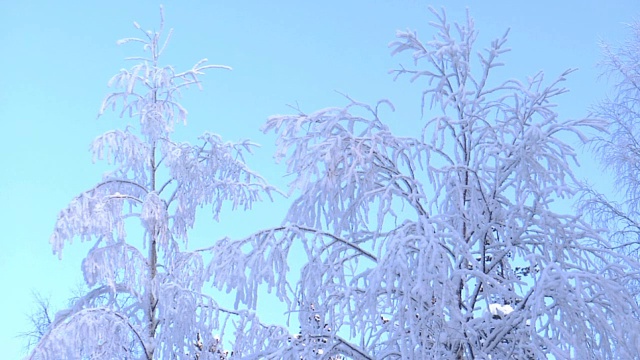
point(57, 56)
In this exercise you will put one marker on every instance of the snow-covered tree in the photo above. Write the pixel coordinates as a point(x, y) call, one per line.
point(446, 245)
point(146, 298)
point(619, 149)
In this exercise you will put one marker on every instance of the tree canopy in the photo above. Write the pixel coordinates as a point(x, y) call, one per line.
point(446, 245)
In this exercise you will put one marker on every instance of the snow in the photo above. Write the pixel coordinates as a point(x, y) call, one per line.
point(410, 247)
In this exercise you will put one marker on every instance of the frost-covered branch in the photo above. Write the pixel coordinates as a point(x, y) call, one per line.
point(146, 297)
point(412, 245)
point(617, 150)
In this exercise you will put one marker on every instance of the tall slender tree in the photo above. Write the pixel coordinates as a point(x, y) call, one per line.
point(446, 245)
point(618, 150)
point(146, 298)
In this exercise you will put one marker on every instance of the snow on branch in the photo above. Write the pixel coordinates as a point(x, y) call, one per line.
point(90, 332)
point(125, 149)
point(446, 245)
point(150, 92)
point(334, 149)
point(146, 297)
point(213, 173)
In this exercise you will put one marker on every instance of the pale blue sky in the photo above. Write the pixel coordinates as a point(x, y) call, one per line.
point(57, 56)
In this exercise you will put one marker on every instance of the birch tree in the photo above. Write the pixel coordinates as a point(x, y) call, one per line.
point(445, 245)
point(618, 149)
point(145, 298)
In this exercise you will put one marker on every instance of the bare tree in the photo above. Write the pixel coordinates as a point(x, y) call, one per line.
point(40, 319)
point(446, 245)
point(145, 298)
point(618, 151)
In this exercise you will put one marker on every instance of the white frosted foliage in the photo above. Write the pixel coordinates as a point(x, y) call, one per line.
point(448, 244)
point(146, 297)
point(618, 212)
point(445, 245)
